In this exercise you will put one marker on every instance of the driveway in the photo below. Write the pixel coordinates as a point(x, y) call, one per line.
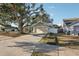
point(10, 46)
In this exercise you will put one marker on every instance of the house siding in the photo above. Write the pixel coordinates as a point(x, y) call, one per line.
point(74, 28)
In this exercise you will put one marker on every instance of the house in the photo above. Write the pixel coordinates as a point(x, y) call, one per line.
point(55, 29)
point(41, 27)
point(71, 26)
point(8, 28)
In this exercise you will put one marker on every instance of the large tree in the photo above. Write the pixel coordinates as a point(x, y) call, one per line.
point(22, 14)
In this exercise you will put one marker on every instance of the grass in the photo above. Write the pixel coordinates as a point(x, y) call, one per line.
point(38, 54)
point(47, 41)
point(66, 41)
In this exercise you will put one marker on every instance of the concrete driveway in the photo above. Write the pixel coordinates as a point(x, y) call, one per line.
point(17, 46)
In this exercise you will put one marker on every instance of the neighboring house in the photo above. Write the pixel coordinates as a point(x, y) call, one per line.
point(41, 27)
point(71, 26)
point(8, 28)
point(53, 30)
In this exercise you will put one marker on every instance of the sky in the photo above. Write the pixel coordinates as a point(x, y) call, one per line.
point(60, 11)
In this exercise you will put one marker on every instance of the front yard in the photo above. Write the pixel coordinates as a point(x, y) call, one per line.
point(70, 42)
point(39, 44)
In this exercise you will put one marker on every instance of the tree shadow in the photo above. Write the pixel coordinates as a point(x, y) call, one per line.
point(36, 47)
point(73, 44)
point(39, 35)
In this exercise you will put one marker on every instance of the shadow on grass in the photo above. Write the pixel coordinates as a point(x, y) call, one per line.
point(39, 54)
point(39, 35)
point(73, 44)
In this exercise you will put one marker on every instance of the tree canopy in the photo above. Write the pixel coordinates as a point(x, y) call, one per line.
point(21, 14)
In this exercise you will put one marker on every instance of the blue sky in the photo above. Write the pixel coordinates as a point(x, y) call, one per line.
point(59, 11)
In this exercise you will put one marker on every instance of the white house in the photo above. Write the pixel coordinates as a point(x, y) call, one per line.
point(53, 30)
point(71, 25)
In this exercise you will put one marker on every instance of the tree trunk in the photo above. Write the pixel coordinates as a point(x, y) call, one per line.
point(21, 26)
